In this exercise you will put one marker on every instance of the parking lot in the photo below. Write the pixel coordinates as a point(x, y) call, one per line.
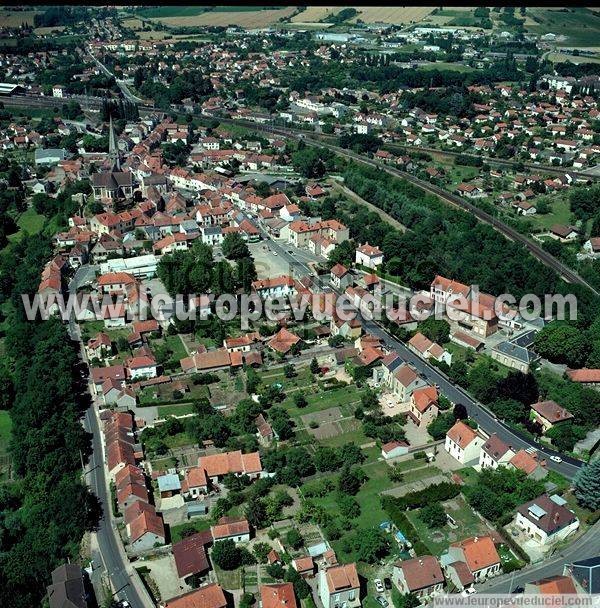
point(267, 262)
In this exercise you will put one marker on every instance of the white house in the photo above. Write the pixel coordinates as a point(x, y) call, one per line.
point(393, 449)
point(369, 256)
point(494, 453)
point(463, 443)
point(339, 587)
point(231, 528)
point(546, 519)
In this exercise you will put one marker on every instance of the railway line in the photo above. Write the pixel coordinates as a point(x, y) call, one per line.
point(538, 252)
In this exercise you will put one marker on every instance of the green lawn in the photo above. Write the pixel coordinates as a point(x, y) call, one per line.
point(324, 400)
point(175, 410)
point(229, 579)
point(560, 214)
point(579, 25)
point(5, 427)
point(371, 513)
point(176, 345)
point(350, 435)
point(438, 540)
point(199, 525)
point(31, 221)
point(469, 475)
point(444, 65)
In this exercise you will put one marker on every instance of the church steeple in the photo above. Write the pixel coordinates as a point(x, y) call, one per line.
point(113, 150)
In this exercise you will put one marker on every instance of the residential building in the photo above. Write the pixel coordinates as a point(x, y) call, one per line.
point(424, 406)
point(549, 413)
point(552, 585)
point(369, 256)
point(546, 519)
point(494, 453)
point(421, 576)
point(208, 596)
point(231, 528)
point(277, 595)
point(586, 575)
point(463, 443)
point(478, 554)
point(339, 587)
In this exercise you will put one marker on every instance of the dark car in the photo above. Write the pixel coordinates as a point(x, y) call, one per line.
point(387, 583)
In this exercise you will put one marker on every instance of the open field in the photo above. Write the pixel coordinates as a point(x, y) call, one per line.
point(579, 25)
point(13, 18)
point(392, 14)
point(315, 13)
point(243, 18)
point(576, 59)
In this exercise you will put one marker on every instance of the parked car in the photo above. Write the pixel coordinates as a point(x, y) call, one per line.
point(379, 585)
point(382, 601)
point(388, 583)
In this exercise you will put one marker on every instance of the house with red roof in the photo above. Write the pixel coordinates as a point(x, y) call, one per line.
point(558, 584)
point(339, 586)
point(421, 576)
point(369, 256)
point(424, 405)
point(277, 595)
point(463, 443)
point(480, 556)
point(231, 528)
point(529, 464)
point(207, 596)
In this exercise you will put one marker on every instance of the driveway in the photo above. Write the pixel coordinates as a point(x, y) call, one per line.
point(164, 573)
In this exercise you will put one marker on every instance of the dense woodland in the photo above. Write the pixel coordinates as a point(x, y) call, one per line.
point(47, 508)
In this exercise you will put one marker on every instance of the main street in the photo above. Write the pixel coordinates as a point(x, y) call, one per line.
point(483, 416)
point(585, 547)
point(126, 583)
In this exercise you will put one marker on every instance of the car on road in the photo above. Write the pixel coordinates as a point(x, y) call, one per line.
point(555, 458)
point(274, 253)
point(379, 585)
point(382, 601)
point(468, 591)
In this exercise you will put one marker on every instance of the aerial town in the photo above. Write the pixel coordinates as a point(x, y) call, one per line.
point(299, 305)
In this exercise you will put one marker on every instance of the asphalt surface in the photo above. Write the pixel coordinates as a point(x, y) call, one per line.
point(454, 393)
point(538, 252)
point(583, 548)
point(112, 556)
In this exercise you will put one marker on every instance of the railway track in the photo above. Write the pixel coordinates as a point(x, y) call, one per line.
point(543, 256)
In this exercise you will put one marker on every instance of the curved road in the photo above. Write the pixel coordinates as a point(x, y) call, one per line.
point(481, 414)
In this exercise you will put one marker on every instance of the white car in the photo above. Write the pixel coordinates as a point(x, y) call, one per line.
point(468, 591)
point(274, 253)
point(379, 585)
point(555, 458)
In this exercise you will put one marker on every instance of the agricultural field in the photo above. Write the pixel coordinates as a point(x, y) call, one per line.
point(14, 18)
point(392, 14)
point(251, 17)
point(577, 26)
point(312, 14)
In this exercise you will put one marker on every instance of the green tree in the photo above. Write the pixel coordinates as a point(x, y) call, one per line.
point(294, 539)
point(314, 366)
point(234, 247)
point(437, 330)
point(587, 485)
point(433, 515)
point(371, 544)
point(226, 555)
point(349, 482)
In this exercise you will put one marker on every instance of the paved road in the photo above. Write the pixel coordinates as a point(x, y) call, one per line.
point(454, 393)
point(583, 548)
point(538, 252)
point(126, 583)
